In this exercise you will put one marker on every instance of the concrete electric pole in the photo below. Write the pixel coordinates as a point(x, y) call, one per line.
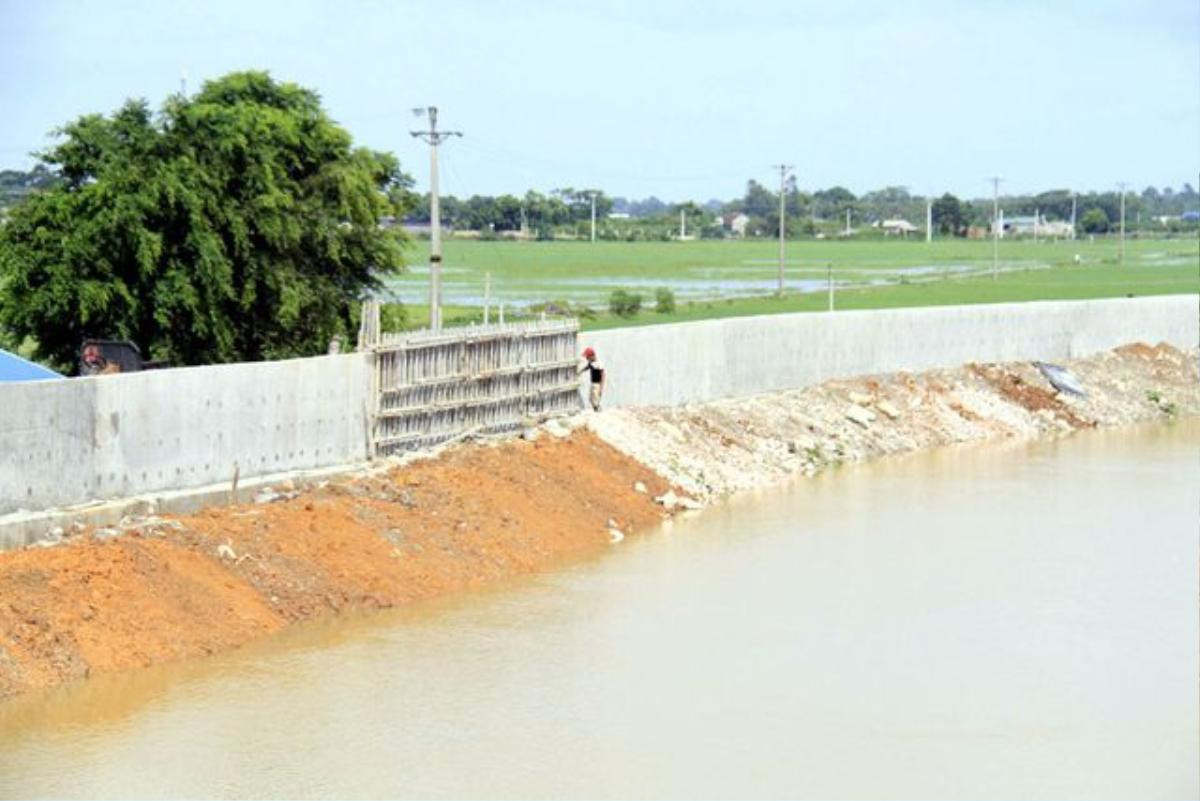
point(434, 137)
point(783, 171)
point(593, 197)
point(1073, 199)
point(1121, 251)
point(995, 226)
point(928, 220)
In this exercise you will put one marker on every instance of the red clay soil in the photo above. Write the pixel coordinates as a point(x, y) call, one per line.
point(1015, 389)
point(473, 516)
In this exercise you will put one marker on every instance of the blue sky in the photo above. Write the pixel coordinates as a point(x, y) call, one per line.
point(675, 99)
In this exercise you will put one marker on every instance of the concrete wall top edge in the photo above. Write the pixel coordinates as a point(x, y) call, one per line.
point(215, 369)
point(703, 360)
point(906, 311)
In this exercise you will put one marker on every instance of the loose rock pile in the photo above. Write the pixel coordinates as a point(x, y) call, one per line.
point(725, 446)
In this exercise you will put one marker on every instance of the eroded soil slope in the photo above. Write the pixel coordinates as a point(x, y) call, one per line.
point(177, 588)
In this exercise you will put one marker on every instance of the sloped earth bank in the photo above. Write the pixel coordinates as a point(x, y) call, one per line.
point(165, 589)
point(156, 589)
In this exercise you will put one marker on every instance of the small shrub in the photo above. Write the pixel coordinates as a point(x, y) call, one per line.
point(393, 317)
point(664, 300)
point(553, 308)
point(624, 304)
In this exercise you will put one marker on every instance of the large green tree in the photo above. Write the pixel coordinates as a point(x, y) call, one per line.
point(236, 224)
point(951, 215)
point(1094, 221)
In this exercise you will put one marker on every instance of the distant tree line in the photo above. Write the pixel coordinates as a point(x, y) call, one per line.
point(16, 185)
point(541, 215)
point(824, 211)
point(567, 211)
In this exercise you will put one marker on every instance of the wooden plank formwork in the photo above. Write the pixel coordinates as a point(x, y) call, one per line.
point(433, 386)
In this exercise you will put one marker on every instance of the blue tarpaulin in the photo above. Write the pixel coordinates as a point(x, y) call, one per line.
point(14, 368)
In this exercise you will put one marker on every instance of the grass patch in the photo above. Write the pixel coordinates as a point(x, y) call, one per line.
point(713, 279)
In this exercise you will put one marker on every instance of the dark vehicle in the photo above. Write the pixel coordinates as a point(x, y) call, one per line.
point(107, 356)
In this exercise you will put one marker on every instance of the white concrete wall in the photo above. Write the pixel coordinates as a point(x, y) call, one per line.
point(47, 436)
point(70, 441)
point(75, 440)
point(678, 363)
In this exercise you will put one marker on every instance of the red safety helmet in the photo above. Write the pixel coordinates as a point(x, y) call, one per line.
point(589, 353)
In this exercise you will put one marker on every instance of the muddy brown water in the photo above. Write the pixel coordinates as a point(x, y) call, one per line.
point(1014, 620)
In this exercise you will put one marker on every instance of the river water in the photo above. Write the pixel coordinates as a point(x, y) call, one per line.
point(1014, 620)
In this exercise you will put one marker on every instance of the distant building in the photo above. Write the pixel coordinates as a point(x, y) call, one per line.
point(1034, 225)
point(424, 229)
point(735, 221)
point(1018, 225)
point(897, 227)
point(1056, 229)
point(618, 215)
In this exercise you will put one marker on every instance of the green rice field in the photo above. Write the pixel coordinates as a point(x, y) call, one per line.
point(733, 278)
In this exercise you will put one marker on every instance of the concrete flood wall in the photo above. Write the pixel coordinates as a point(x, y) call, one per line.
point(70, 441)
point(74, 441)
point(686, 362)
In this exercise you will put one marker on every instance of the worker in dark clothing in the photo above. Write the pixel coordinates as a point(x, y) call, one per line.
point(596, 374)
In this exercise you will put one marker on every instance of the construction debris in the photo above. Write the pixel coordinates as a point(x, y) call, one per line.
point(1061, 379)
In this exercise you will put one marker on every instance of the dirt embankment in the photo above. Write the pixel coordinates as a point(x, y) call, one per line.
point(172, 589)
point(159, 590)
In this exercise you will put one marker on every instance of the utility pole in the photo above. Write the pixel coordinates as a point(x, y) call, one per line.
point(995, 226)
point(783, 171)
point(682, 224)
point(1074, 197)
point(1036, 212)
point(433, 137)
point(928, 220)
point(1121, 252)
point(593, 196)
point(487, 298)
